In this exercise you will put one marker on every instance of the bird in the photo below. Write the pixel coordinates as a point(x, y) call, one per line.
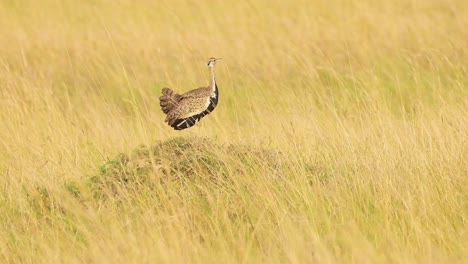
point(185, 110)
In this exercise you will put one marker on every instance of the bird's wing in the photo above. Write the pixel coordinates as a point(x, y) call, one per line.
point(202, 92)
point(188, 107)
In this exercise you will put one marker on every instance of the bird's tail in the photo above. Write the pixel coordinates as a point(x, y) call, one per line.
point(168, 100)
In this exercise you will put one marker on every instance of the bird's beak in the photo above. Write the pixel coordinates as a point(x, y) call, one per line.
point(218, 58)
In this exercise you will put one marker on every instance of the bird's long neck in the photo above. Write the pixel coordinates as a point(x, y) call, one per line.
point(212, 79)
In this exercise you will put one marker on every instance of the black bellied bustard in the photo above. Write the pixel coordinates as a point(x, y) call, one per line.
point(184, 110)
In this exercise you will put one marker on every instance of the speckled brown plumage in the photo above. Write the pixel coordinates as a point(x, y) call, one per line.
point(184, 110)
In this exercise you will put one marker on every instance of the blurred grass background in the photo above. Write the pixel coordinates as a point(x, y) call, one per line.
point(366, 101)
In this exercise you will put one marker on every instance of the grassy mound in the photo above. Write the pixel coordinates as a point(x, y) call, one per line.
point(182, 162)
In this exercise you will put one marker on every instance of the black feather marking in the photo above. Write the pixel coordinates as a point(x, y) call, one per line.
point(184, 123)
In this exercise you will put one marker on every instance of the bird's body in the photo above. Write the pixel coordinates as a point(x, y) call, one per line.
point(184, 110)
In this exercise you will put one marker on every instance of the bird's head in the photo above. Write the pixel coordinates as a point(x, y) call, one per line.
point(212, 61)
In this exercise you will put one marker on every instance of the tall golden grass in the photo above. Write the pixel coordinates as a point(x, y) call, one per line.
point(366, 102)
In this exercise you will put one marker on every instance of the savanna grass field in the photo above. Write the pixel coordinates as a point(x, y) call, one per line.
point(340, 134)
